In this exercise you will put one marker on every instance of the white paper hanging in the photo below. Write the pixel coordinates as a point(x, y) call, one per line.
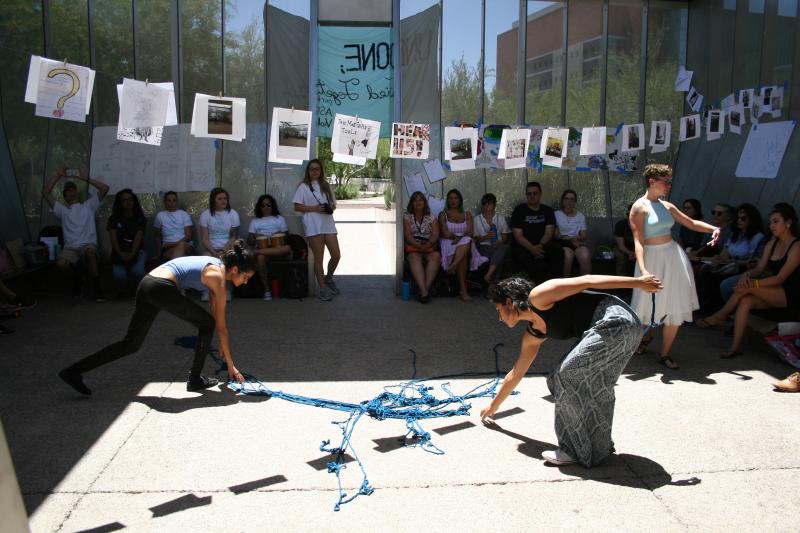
point(434, 170)
point(554, 146)
point(690, 128)
point(143, 104)
point(410, 140)
point(414, 183)
point(461, 147)
point(219, 117)
point(514, 147)
point(593, 141)
point(660, 135)
point(736, 119)
point(60, 90)
point(354, 139)
point(633, 137)
point(683, 81)
point(694, 99)
point(715, 124)
point(292, 141)
point(272, 156)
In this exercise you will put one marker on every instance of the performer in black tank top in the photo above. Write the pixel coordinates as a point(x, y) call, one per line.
point(583, 382)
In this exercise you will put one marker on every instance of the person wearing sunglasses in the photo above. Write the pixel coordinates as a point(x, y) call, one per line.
point(267, 223)
point(533, 225)
point(658, 254)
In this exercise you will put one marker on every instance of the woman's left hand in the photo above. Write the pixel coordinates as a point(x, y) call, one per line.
point(487, 413)
point(714, 237)
point(649, 283)
point(235, 375)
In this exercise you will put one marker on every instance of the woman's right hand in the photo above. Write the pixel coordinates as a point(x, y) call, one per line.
point(234, 374)
point(744, 282)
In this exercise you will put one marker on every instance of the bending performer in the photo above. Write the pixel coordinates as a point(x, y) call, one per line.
point(583, 382)
point(161, 290)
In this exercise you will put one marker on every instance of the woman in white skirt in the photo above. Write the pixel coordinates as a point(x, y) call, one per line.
point(657, 254)
point(315, 200)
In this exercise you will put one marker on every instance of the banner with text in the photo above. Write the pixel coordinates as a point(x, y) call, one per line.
point(355, 76)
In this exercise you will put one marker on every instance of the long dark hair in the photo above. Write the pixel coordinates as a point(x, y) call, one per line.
point(214, 192)
point(323, 183)
point(697, 206)
point(754, 222)
point(258, 211)
point(240, 257)
point(787, 212)
point(410, 207)
point(517, 289)
point(460, 199)
point(117, 210)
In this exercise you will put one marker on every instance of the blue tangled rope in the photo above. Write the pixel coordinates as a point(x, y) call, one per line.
point(411, 401)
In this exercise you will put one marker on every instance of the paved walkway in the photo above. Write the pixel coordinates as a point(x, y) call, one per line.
point(706, 448)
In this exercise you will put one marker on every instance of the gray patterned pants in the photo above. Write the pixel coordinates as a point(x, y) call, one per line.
point(583, 382)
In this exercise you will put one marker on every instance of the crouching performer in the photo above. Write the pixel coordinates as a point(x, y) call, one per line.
point(582, 383)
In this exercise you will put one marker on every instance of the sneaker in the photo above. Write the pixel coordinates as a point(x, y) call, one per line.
point(325, 294)
point(790, 384)
point(74, 379)
point(267, 296)
point(204, 296)
point(200, 382)
point(6, 331)
point(332, 287)
point(558, 457)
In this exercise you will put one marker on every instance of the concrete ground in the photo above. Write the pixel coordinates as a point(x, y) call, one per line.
point(707, 448)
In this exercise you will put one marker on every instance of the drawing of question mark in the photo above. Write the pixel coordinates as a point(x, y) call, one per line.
point(76, 85)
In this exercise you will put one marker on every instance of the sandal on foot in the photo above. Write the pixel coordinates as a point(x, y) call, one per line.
point(668, 362)
point(643, 345)
point(730, 353)
point(704, 323)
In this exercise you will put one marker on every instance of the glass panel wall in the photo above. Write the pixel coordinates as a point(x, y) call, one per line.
point(585, 50)
point(244, 162)
point(544, 57)
point(623, 91)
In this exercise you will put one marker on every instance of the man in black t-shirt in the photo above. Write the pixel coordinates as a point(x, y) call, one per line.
point(533, 226)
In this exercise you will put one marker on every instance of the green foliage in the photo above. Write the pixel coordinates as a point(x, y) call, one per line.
point(346, 191)
point(380, 167)
point(388, 195)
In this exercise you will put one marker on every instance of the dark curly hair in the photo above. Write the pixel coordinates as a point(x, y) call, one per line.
point(410, 207)
point(116, 210)
point(258, 212)
point(240, 257)
point(754, 222)
point(517, 289)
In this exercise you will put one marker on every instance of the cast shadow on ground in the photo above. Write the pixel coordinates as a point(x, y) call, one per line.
point(206, 398)
point(623, 469)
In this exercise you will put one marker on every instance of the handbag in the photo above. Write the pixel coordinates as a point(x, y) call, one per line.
point(787, 346)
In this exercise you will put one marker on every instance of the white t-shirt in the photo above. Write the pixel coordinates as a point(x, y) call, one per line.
point(315, 223)
point(171, 224)
point(481, 226)
point(219, 226)
point(77, 222)
point(268, 225)
point(570, 226)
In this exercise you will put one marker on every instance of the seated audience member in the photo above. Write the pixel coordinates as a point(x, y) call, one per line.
point(491, 236)
point(219, 228)
point(126, 228)
point(421, 233)
point(173, 229)
point(267, 235)
point(722, 217)
point(533, 225)
point(779, 289)
point(78, 225)
point(691, 241)
point(742, 251)
point(571, 234)
point(623, 245)
point(458, 248)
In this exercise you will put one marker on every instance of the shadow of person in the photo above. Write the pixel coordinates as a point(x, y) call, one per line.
point(623, 469)
point(206, 398)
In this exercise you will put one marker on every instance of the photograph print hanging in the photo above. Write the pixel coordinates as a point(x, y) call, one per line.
point(746, 98)
point(220, 117)
point(514, 147)
point(410, 141)
point(660, 133)
point(461, 147)
point(715, 125)
point(632, 137)
point(553, 148)
point(292, 133)
point(694, 99)
point(736, 119)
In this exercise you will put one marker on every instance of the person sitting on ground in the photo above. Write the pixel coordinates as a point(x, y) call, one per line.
point(219, 228)
point(421, 234)
point(78, 225)
point(571, 234)
point(533, 225)
point(173, 229)
point(163, 290)
point(623, 245)
point(742, 251)
point(779, 290)
point(491, 236)
point(126, 228)
point(691, 240)
point(264, 235)
point(458, 248)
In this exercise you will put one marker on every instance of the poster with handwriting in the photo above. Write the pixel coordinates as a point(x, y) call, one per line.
point(355, 76)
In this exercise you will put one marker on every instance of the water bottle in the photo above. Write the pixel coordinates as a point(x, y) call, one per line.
point(493, 228)
point(405, 290)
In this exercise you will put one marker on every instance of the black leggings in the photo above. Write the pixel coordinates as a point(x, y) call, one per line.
point(153, 295)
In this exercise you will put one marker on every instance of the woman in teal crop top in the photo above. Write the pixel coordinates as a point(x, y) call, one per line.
point(657, 253)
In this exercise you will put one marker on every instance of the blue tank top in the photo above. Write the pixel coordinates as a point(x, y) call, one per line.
point(657, 221)
point(188, 270)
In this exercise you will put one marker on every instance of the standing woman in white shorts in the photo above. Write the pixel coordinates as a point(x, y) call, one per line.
point(315, 200)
